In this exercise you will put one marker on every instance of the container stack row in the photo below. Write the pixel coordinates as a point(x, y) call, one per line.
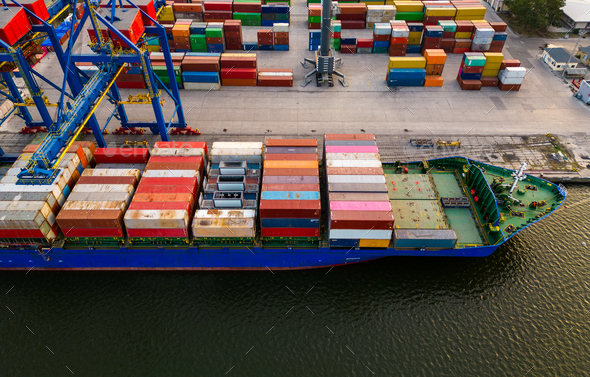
point(229, 199)
point(93, 213)
point(162, 206)
point(472, 65)
point(275, 77)
point(351, 15)
point(248, 11)
point(233, 176)
point(435, 63)
point(433, 35)
point(290, 206)
point(200, 71)
point(218, 10)
point(233, 34)
point(238, 69)
point(335, 34)
point(400, 34)
point(28, 212)
point(360, 214)
point(160, 69)
point(406, 71)
point(489, 75)
point(379, 14)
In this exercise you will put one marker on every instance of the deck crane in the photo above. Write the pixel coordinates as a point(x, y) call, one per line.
point(42, 167)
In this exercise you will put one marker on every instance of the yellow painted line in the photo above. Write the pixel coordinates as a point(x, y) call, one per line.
point(88, 116)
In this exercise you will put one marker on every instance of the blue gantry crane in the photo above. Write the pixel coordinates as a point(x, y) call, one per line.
point(111, 62)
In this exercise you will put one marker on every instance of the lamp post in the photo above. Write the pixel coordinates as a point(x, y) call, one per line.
point(581, 33)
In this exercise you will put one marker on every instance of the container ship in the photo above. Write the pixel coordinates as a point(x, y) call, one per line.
point(255, 206)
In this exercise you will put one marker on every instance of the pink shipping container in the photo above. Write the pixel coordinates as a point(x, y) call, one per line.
point(351, 149)
point(360, 206)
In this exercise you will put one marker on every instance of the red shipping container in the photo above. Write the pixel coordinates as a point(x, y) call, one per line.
point(361, 220)
point(196, 160)
point(348, 49)
point(290, 232)
point(121, 155)
point(211, 40)
point(36, 6)
point(290, 187)
point(14, 24)
point(147, 197)
point(353, 24)
point(21, 233)
point(473, 69)
point(94, 232)
point(217, 5)
point(336, 35)
point(460, 50)
point(510, 63)
point(290, 157)
point(292, 171)
point(89, 180)
point(292, 143)
point(449, 34)
point(350, 17)
point(172, 166)
point(276, 81)
point(499, 26)
point(189, 182)
point(383, 37)
point(153, 189)
point(265, 41)
point(314, 26)
point(403, 41)
point(469, 84)
point(489, 81)
point(157, 233)
point(238, 73)
point(508, 87)
point(237, 61)
point(364, 43)
point(130, 25)
point(285, 209)
point(233, 46)
point(397, 52)
point(180, 206)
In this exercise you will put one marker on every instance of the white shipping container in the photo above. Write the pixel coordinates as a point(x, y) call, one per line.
point(357, 234)
point(88, 205)
point(352, 156)
point(482, 40)
point(236, 145)
point(511, 80)
point(356, 179)
point(156, 219)
point(381, 30)
point(354, 164)
point(281, 27)
point(398, 32)
point(98, 188)
point(202, 86)
point(224, 228)
point(237, 155)
point(23, 206)
point(272, 74)
point(225, 213)
point(513, 72)
point(111, 173)
point(100, 197)
point(484, 33)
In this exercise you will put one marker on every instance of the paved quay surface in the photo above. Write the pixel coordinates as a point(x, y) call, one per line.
point(498, 127)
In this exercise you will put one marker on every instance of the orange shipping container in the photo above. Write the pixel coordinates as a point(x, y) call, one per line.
point(290, 164)
point(435, 56)
point(144, 197)
point(291, 171)
point(291, 142)
point(433, 81)
point(238, 82)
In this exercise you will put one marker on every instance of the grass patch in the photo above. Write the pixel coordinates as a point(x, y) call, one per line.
point(520, 30)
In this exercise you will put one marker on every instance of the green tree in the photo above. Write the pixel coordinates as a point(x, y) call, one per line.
point(535, 15)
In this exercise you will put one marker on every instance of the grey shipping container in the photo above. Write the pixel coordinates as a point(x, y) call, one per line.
point(424, 238)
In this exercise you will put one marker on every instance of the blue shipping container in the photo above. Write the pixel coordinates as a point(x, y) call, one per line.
point(206, 54)
point(284, 9)
point(408, 73)
point(347, 41)
point(281, 47)
point(290, 195)
point(381, 44)
point(267, 22)
point(314, 47)
point(290, 223)
point(265, 47)
point(413, 49)
point(433, 33)
point(470, 76)
point(212, 77)
point(315, 35)
point(344, 243)
point(268, 8)
point(315, 41)
point(250, 46)
point(500, 36)
point(215, 47)
point(412, 82)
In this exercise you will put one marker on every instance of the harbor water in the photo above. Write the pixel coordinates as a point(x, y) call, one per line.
point(525, 310)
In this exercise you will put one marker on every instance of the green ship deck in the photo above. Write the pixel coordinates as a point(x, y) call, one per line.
point(471, 198)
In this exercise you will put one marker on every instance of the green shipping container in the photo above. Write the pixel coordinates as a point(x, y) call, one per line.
point(475, 61)
point(198, 39)
point(380, 50)
point(153, 42)
point(315, 19)
point(214, 33)
point(409, 16)
point(281, 17)
point(195, 47)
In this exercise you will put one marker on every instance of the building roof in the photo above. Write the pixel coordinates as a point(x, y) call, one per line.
point(585, 50)
point(560, 55)
point(577, 10)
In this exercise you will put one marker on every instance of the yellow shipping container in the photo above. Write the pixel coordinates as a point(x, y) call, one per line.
point(463, 34)
point(493, 57)
point(153, 48)
point(489, 72)
point(291, 164)
point(415, 38)
point(407, 62)
point(475, 11)
point(492, 65)
point(440, 12)
point(409, 6)
point(389, 2)
point(373, 243)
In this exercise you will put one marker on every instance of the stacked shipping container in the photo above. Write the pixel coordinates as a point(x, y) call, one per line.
point(435, 63)
point(238, 69)
point(400, 34)
point(93, 213)
point(360, 214)
point(28, 212)
point(290, 206)
point(200, 71)
point(233, 34)
point(162, 207)
point(379, 14)
point(406, 71)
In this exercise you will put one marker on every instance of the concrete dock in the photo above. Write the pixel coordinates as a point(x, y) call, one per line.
point(501, 128)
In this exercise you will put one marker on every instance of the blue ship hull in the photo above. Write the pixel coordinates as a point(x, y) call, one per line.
point(193, 258)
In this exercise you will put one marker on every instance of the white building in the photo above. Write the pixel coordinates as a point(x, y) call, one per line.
point(557, 57)
point(576, 14)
